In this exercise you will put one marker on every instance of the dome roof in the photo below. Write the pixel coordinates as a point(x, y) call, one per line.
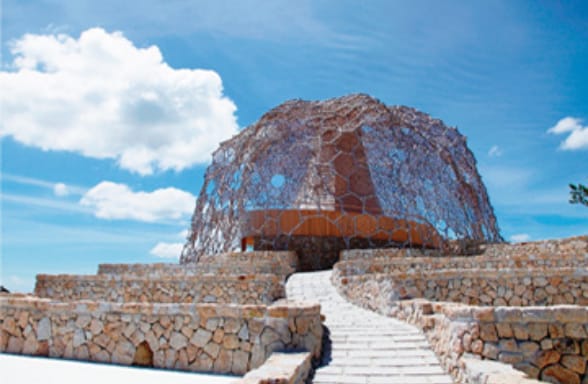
point(348, 168)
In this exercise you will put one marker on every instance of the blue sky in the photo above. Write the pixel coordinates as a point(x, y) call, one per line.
point(111, 109)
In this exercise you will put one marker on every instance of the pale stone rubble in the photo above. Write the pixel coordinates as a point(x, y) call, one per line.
point(519, 326)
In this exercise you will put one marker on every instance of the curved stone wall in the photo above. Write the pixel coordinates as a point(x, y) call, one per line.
point(194, 337)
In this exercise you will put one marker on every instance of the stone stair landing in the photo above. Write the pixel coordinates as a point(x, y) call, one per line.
point(365, 347)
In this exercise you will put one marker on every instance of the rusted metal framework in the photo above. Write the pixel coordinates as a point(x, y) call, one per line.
point(351, 172)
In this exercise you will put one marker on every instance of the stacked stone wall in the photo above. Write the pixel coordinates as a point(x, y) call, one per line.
point(158, 270)
point(196, 337)
point(519, 284)
point(547, 343)
point(243, 289)
point(515, 287)
point(276, 258)
point(572, 252)
point(242, 263)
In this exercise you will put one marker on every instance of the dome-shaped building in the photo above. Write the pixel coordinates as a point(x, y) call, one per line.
point(350, 172)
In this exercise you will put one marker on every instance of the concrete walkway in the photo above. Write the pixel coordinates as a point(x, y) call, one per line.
point(366, 347)
point(27, 369)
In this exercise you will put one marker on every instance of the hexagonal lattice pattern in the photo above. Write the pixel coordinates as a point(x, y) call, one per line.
point(345, 173)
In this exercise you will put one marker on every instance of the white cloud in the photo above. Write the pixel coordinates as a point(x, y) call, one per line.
point(520, 238)
point(578, 134)
point(567, 124)
point(43, 203)
point(495, 151)
point(104, 98)
point(498, 177)
point(167, 250)
point(110, 200)
point(60, 189)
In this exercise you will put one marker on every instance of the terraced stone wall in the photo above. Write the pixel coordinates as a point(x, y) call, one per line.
point(195, 337)
point(514, 287)
point(242, 263)
point(519, 284)
point(547, 343)
point(538, 273)
point(571, 252)
point(243, 289)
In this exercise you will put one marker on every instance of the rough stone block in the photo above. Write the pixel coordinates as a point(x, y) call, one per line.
point(490, 351)
point(488, 332)
point(575, 363)
point(545, 358)
point(537, 331)
point(575, 330)
point(560, 375)
point(504, 330)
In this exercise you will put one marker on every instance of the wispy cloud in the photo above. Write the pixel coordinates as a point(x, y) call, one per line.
point(495, 151)
point(577, 133)
point(58, 188)
point(58, 235)
point(45, 203)
point(147, 116)
point(110, 200)
point(503, 176)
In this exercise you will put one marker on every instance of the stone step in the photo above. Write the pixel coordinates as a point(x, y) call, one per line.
point(380, 353)
point(384, 361)
point(332, 379)
point(375, 346)
point(366, 347)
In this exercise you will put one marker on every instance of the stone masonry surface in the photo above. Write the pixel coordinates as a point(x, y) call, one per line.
point(281, 368)
point(365, 347)
point(512, 287)
point(233, 263)
point(244, 289)
point(198, 337)
point(571, 252)
point(545, 342)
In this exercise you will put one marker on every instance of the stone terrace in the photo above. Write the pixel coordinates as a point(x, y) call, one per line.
point(222, 316)
point(199, 337)
point(238, 289)
point(282, 264)
point(546, 342)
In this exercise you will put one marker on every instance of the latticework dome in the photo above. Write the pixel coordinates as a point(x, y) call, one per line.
point(351, 172)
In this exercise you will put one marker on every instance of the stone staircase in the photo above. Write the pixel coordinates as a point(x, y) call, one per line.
point(364, 347)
